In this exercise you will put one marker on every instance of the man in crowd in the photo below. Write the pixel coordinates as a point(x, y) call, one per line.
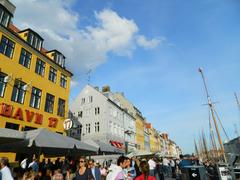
point(152, 166)
point(116, 172)
point(34, 165)
point(5, 171)
point(95, 171)
point(166, 167)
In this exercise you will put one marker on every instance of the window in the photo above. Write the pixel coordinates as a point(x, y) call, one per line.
point(35, 98)
point(19, 91)
point(34, 41)
point(63, 81)
point(90, 98)
point(7, 47)
point(2, 84)
point(4, 18)
point(12, 126)
point(59, 59)
point(25, 58)
point(61, 107)
point(52, 74)
point(88, 129)
point(40, 67)
point(80, 113)
point(83, 101)
point(49, 103)
point(28, 128)
point(79, 129)
point(97, 110)
point(97, 127)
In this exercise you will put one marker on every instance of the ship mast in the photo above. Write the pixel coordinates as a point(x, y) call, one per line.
point(213, 115)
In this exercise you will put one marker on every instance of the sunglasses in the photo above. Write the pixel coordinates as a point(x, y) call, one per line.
point(81, 161)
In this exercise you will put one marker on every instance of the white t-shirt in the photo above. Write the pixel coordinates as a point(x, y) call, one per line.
point(165, 162)
point(152, 164)
point(6, 173)
point(172, 163)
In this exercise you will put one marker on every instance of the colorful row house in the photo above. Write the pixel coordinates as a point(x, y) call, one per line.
point(34, 82)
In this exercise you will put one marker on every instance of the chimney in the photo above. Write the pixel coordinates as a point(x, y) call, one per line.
point(106, 88)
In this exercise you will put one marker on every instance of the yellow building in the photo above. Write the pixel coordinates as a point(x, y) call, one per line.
point(140, 124)
point(34, 83)
point(153, 139)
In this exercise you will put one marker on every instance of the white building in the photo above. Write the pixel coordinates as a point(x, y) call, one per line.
point(101, 116)
point(129, 122)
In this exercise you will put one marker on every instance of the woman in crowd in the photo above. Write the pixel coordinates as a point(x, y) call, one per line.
point(83, 173)
point(145, 172)
point(130, 171)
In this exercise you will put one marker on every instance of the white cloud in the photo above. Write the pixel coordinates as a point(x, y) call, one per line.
point(84, 48)
point(148, 44)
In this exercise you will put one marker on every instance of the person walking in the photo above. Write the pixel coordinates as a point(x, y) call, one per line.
point(152, 166)
point(116, 172)
point(173, 168)
point(83, 173)
point(34, 165)
point(144, 166)
point(95, 171)
point(130, 170)
point(166, 167)
point(5, 171)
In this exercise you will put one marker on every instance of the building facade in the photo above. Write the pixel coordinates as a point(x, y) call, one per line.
point(34, 82)
point(100, 115)
point(129, 122)
point(140, 127)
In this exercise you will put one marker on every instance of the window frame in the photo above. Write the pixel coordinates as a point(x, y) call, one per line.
point(40, 67)
point(4, 50)
point(52, 76)
point(3, 84)
point(35, 96)
point(50, 103)
point(24, 60)
point(3, 15)
point(18, 86)
point(61, 110)
point(63, 81)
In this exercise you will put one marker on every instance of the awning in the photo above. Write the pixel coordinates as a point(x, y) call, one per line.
point(104, 147)
point(48, 143)
point(10, 135)
point(117, 144)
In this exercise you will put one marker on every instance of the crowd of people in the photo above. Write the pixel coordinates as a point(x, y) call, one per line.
point(152, 168)
point(87, 169)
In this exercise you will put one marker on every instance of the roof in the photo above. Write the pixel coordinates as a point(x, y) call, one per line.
point(29, 29)
point(14, 30)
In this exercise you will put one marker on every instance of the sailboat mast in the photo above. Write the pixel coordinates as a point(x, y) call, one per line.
point(213, 116)
point(238, 104)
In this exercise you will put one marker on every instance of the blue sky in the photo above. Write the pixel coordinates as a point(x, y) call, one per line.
point(151, 51)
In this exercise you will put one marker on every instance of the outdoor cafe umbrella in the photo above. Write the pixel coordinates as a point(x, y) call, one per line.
point(43, 141)
point(103, 147)
point(10, 135)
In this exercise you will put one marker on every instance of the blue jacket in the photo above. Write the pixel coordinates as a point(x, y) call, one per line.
point(97, 173)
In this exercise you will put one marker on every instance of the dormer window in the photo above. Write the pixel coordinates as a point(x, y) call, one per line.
point(34, 40)
point(59, 59)
point(5, 17)
point(7, 10)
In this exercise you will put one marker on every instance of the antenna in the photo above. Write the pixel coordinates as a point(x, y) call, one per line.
point(238, 104)
point(89, 75)
point(213, 115)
